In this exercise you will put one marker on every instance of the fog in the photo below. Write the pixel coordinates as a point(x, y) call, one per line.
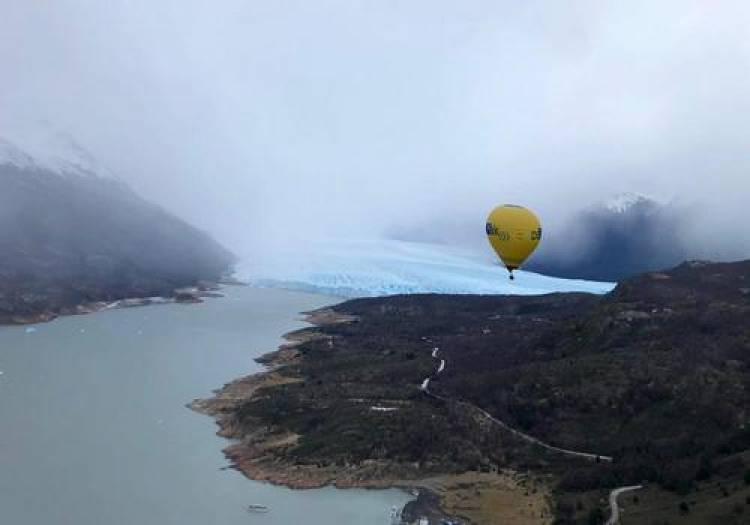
point(269, 122)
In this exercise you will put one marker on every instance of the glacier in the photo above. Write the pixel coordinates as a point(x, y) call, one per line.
point(365, 268)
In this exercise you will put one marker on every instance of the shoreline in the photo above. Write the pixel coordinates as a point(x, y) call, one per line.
point(185, 295)
point(439, 496)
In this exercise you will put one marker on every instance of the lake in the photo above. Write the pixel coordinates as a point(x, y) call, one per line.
point(95, 428)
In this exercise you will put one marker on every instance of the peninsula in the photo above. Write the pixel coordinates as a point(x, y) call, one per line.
point(515, 409)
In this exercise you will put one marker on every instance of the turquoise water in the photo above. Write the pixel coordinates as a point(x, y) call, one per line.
point(95, 429)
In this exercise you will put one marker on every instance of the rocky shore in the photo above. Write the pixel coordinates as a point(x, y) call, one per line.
point(192, 294)
point(444, 497)
point(250, 452)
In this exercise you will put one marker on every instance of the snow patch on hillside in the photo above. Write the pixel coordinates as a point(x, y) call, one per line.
point(40, 146)
point(624, 202)
point(11, 154)
point(361, 268)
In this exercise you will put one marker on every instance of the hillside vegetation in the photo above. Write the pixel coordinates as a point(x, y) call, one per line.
point(654, 374)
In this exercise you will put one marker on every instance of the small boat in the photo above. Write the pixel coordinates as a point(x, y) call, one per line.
point(395, 516)
point(256, 507)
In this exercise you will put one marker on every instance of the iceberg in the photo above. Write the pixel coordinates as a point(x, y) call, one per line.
point(366, 268)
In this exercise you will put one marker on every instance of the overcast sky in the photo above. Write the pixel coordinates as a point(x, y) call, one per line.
point(262, 120)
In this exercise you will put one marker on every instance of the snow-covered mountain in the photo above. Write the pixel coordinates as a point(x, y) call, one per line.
point(358, 268)
point(617, 238)
point(625, 202)
point(40, 146)
point(70, 237)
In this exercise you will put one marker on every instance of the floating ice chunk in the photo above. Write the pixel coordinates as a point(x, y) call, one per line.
point(442, 366)
point(383, 409)
point(30, 330)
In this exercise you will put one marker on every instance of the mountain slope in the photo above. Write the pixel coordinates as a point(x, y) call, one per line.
point(68, 238)
point(627, 235)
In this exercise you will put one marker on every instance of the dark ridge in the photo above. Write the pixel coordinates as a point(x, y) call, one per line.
point(614, 245)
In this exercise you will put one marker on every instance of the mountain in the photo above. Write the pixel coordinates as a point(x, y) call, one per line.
point(370, 267)
point(70, 237)
point(619, 238)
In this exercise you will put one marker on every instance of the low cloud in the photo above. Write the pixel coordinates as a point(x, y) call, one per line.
point(265, 122)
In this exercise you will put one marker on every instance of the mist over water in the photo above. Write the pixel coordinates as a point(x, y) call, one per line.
point(270, 122)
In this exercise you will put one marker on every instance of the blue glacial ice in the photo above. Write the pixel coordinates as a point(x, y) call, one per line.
point(363, 268)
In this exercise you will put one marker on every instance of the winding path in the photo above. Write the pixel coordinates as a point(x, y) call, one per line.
point(614, 517)
point(531, 439)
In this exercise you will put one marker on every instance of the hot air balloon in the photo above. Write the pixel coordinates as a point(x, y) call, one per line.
point(514, 233)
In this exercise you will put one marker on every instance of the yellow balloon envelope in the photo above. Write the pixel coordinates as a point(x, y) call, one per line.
point(514, 233)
